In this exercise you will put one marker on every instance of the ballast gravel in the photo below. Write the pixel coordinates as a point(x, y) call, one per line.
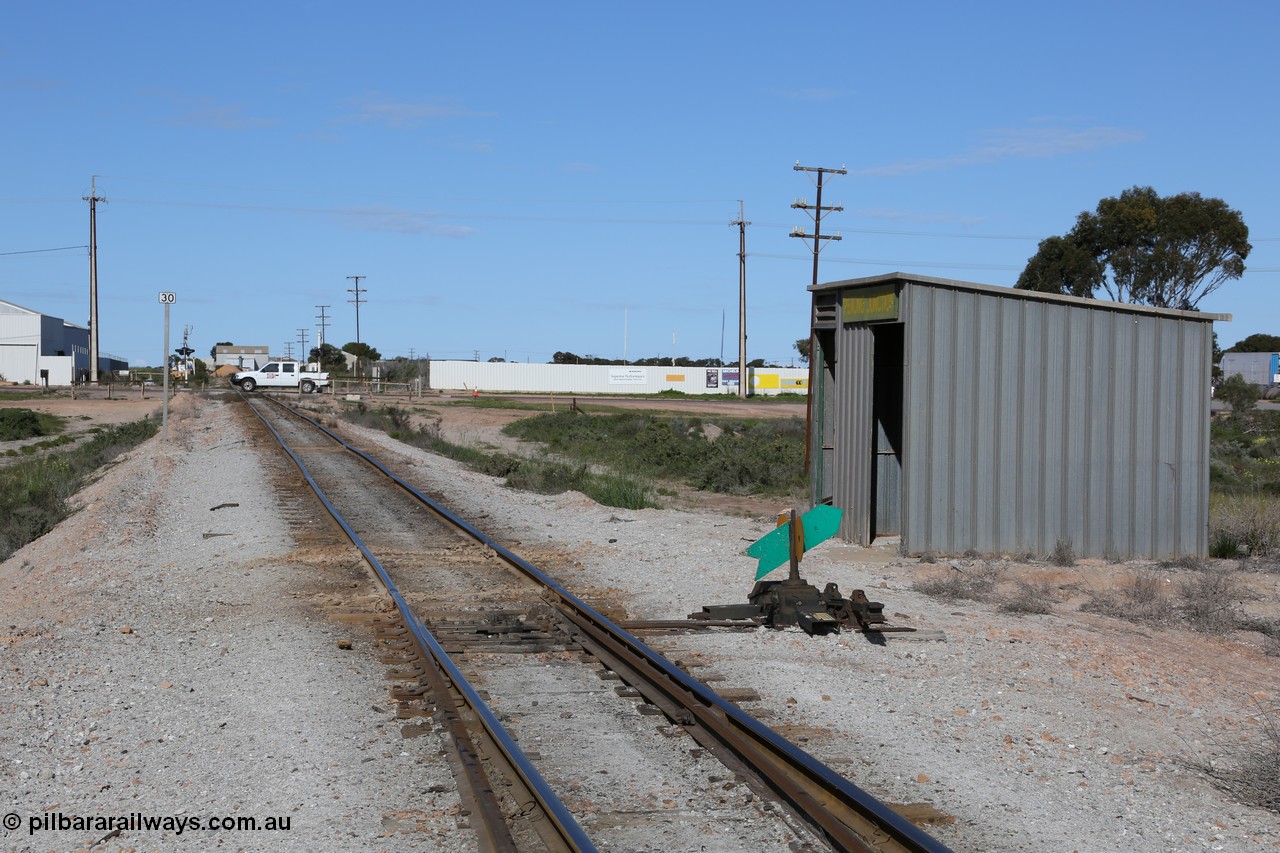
point(160, 663)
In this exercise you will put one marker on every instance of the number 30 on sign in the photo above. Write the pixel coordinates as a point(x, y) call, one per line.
point(168, 297)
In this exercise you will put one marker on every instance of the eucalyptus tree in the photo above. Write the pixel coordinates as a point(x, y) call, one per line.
point(1142, 248)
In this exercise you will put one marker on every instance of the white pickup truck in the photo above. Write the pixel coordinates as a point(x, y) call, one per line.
point(281, 374)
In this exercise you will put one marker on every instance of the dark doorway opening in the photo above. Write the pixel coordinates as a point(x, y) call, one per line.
point(886, 413)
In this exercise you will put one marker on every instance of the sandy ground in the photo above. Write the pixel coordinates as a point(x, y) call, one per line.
point(87, 410)
point(82, 413)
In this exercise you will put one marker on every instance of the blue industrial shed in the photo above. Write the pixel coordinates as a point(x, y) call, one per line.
point(961, 416)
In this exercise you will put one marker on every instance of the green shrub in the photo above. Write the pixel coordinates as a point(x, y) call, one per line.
point(547, 477)
point(730, 456)
point(622, 492)
point(1249, 520)
point(1241, 396)
point(605, 489)
point(34, 493)
point(543, 476)
point(1224, 546)
point(17, 424)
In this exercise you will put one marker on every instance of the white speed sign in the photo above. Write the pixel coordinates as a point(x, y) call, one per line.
point(168, 297)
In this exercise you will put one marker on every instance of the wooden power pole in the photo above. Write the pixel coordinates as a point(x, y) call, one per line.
point(357, 290)
point(742, 224)
point(817, 211)
point(93, 198)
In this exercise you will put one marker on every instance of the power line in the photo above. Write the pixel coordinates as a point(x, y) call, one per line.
point(446, 215)
point(38, 251)
point(898, 264)
point(960, 265)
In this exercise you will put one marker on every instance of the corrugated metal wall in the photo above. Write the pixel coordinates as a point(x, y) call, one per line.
point(852, 432)
point(19, 344)
point(1030, 422)
point(18, 328)
point(18, 363)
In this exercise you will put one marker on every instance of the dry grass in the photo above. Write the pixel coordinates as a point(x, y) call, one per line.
point(974, 582)
point(1194, 564)
point(1063, 554)
point(1207, 599)
point(1033, 598)
point(1210, 601)
point(1253, 775)
point(1247, 524)
point(1142, 596)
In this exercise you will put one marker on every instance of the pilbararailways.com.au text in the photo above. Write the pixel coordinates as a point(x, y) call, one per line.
point(139, 822)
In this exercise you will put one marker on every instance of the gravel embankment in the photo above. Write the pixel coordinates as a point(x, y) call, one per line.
point(150, 669)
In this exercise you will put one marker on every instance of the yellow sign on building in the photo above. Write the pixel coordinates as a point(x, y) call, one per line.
point(866, 304)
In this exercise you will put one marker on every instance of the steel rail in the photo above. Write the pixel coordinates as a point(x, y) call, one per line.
point(827, 801)
point(566, 826)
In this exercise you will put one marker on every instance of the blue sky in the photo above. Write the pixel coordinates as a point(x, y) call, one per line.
point(514, 179)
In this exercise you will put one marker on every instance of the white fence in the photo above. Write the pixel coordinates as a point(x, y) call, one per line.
point(611, 379)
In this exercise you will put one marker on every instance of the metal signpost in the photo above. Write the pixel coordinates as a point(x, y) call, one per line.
point(167, 298)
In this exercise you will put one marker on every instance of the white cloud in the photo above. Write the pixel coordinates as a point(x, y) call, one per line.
point(1017, 143)
point(376, 109)
point(203, 112)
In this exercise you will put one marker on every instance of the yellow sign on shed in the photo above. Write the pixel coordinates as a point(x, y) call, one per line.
point(866, 304)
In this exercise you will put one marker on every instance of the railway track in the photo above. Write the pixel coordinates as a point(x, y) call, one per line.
point(566, 731)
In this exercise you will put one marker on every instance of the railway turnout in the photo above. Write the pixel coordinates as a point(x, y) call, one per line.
point(525, 681)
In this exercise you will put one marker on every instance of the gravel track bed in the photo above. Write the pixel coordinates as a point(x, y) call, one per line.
point(149, 669)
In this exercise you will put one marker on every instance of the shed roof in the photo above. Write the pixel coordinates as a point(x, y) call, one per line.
point(1015, 293)
point(14, 309)
point(238, 350)
point(7, 307)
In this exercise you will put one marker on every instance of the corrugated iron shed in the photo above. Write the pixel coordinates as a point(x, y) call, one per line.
point(962, 416)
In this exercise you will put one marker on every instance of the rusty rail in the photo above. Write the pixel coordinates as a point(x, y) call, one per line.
point(848, 817)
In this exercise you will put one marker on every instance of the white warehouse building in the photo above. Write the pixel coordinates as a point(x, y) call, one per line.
point(611, 379)
point(31, 342)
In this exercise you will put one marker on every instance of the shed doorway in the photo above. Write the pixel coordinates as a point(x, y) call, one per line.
point(886, 416)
